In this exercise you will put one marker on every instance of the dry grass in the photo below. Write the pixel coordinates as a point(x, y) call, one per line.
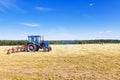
point(65, 62)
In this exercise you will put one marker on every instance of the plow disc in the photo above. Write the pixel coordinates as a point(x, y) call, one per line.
point(16, 49)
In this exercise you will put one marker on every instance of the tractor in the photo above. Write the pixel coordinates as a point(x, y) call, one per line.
point(36, 42)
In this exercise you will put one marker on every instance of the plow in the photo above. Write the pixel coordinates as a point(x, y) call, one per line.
point(16, 49)
point(34, 44)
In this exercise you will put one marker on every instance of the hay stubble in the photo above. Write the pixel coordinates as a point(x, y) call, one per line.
point(75, 62)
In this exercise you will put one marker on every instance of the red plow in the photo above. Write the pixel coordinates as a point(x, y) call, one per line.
point(16, 49)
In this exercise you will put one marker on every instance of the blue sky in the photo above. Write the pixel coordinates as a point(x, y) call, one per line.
point(60, 19)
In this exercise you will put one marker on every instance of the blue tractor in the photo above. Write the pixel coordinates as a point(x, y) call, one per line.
point(35, 43)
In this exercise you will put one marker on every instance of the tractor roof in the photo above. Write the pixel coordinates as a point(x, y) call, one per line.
point(34, 36)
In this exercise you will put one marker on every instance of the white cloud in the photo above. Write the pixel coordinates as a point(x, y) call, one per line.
point(101, 32)
point(104, 32)
point(31, 24)
point(10, 4)
point(91, 4)
point(7, 3)
point(43, 9)
point(108, 31)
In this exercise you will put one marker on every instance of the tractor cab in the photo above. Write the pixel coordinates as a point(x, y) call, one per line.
point(34, 39)
point(35, 43)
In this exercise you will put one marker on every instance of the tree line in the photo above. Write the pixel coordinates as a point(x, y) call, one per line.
point(12, 42)
point(23, 42)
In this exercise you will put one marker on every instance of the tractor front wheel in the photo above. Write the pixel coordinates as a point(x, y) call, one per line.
point(50, 49)
point(31, 47)
point(46, 49)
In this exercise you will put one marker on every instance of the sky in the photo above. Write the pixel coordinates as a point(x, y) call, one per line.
point(60, 19)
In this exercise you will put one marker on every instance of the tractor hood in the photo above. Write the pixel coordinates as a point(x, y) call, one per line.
point(46, 43)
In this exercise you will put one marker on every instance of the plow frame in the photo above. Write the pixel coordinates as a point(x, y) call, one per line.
point(16, 49)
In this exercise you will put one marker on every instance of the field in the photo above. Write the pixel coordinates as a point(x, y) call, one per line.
point(65, 62)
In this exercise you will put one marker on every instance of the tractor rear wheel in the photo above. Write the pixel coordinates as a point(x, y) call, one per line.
point(31, 47)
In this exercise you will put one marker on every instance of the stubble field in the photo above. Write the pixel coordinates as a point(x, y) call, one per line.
point(64, 62)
